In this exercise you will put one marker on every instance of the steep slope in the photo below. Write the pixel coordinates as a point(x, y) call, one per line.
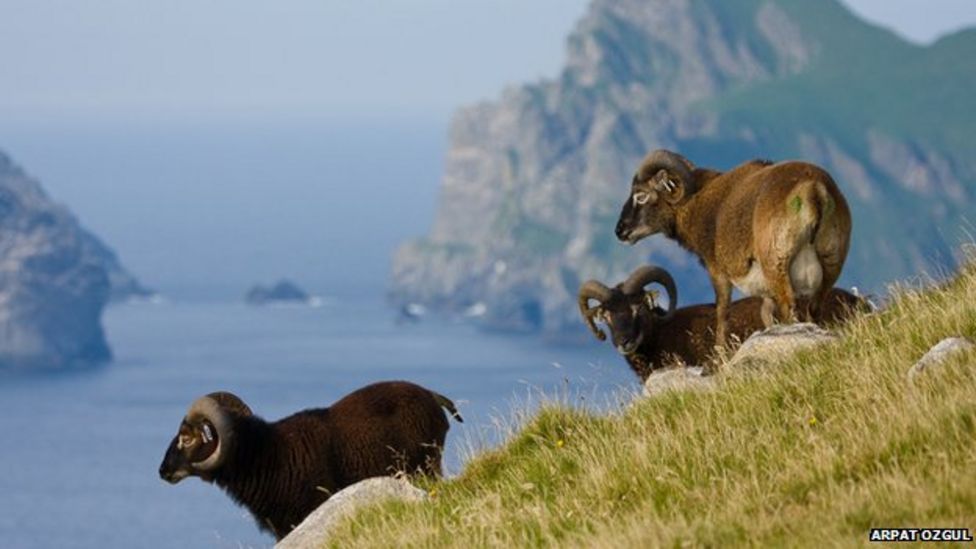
point(55, 279)
point(533, 182)
point(813, 452)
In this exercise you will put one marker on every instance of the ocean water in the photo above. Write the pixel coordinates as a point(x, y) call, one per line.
point(82, 449)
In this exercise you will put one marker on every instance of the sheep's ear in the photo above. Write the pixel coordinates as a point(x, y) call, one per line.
point(670, 186)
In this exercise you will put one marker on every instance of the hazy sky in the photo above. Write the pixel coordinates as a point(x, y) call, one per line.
point(121, 59)
point(217, 143)
point(291, 58)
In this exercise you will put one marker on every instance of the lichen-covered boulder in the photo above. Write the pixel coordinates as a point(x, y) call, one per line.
point(939, 354)
point(315, 529)
point(778, 342)
point(679, 378)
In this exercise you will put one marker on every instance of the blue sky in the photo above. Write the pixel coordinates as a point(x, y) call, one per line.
point(234, 59)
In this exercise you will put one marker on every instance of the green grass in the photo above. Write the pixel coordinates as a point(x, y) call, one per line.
point(811, 453)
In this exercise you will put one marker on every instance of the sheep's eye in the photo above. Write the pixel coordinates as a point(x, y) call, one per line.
point(641, 198)
point(185, 441)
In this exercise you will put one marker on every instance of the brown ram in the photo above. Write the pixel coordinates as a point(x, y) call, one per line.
point(282, 471)
point(779, 231)
point(650, 338)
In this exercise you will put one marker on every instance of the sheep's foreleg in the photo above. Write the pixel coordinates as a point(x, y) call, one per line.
point(768, 311)
point(723, 295)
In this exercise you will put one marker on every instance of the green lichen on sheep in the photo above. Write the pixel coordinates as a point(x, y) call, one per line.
point(796, 204)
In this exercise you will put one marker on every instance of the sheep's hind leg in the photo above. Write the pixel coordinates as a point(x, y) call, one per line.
point(786, 304)
point(815, 305)
point(831, 263)
point(777, 252)
point(781, 290)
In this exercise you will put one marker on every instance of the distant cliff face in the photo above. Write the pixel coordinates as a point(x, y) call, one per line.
point(534, 182)
point(55, 279)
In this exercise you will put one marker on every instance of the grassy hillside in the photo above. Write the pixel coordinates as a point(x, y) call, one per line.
point(811, 453)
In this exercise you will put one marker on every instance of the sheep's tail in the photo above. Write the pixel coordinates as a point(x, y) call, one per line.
point(814, 206)
point(447, 405)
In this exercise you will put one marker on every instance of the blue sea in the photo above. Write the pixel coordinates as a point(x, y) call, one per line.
point(200, 212)
point(82, 448)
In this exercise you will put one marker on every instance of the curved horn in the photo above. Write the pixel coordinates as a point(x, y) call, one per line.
point(649, 274)
point(209, 408)
point(674, 163)
point(593, 289)
point(231, 402)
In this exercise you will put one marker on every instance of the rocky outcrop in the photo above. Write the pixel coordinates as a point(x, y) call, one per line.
point(534, 181)
point(678, 378)
point(55, 279)
point(939, 354)
point(779, 342)
point(284, 291)
point(314, 531)
point(122, 285)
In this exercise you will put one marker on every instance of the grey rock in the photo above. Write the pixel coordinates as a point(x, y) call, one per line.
point(778, 342)
point(939, 354)
point(55, 279)
point(123, 286)
point(782, 32)
point(915, 167)
point(314, 531)
point(680, 378)
point(284, 291)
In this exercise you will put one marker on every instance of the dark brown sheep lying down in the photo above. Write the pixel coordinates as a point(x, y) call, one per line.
point(650, 338)
point(281, 471)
